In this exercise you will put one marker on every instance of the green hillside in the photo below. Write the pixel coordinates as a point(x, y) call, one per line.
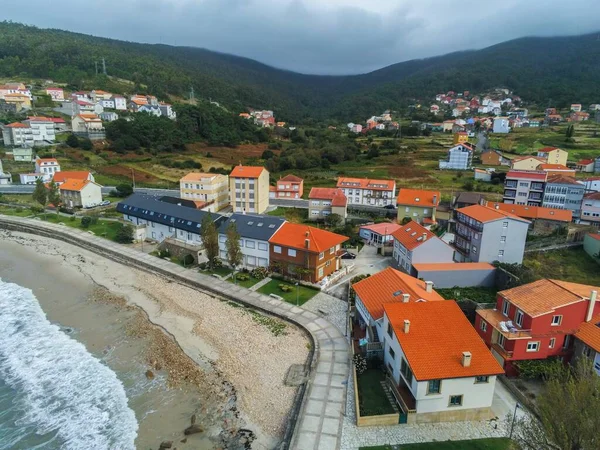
point(544, 70)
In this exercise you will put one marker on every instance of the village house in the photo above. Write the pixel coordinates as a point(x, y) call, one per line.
point(591, 184)
point(553, 155)
point(578, 117)
point(460, 157)
point(447, 124)
point(120, 102)
point(30, 178)
point(83, 107)
point(289, 187)
point(62, 176)
point(98, 95)
point(153, 110)
point(167, 111)
point(446, 275)
point(467, 199)
point(590, 209)
point(460, 138)
point(585, 165)
point(418, 205)
point(556, 169)
point(543, 220)
point(526, 162)
point(501, 125)
point(414, 244)
point(524, 187)
point(23, 154)
point(56, 94)
point(108, 116)
point(209, 191)
point(47, 167)
point(563, 192)
point(325, 201)
point(249, 189)
point(536, 321)
point(163, 219)
point(387, 286)
point(21, 101)
point(366, 192)
point(88, 125)
point(434, 109)
point(378, 233)
point(80, 193)
point(587, 342)
point(576, 107)
point(309, 253)
point(81, 95)
point(489, 234)
point(255, 232)
point(441, 369)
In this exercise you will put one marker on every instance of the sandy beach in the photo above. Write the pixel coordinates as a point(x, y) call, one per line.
point(236, 363)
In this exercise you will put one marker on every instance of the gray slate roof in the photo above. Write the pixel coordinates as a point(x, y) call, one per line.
point(253, 226)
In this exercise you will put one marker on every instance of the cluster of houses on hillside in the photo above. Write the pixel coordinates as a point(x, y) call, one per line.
point(263, 118)
point(381, 123)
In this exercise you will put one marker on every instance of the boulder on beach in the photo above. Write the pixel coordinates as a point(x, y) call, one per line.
point(165, 444)
point(149, 374)
point(193, 429)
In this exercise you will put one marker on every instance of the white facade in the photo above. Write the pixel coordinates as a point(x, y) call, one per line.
point(501, 125)
point(591, 185)
point(372, 194)
point(120, 103)
point(460, 157)
point(255, 252)
point(57, 95)
point(107, 103)
point(17, 136)
point(42, 131)
point(109, 116)
point(88, 196)
point(46, 167)
point(30, 178)
point(433, 250)
point(159, 232)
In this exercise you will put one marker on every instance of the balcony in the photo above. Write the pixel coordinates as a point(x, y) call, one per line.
point(501, 324)
point(504, 353)
point(537, 187)
point(510, 194)
point(463, 233)
point(467, 221)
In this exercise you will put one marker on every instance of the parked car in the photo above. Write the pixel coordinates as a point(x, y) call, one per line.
point(347, 255)
point(105, 203)
point(390, 206)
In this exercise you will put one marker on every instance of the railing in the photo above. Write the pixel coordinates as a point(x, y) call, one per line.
point(398, 395)
point(501, 351)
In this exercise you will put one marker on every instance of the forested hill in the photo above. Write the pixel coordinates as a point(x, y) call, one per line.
point(556, 71)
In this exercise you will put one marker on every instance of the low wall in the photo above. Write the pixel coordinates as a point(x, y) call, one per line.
point(461, 415)
point(371, 421)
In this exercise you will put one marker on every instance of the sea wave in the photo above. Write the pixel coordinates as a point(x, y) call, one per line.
point(65, 389)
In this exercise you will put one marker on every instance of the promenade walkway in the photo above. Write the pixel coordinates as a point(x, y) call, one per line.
point(316, 420)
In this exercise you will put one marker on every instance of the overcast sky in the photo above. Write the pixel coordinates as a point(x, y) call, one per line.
point(315, 36)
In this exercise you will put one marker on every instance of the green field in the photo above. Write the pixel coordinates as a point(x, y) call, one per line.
point(472, 444)
point(15, 211)
point(298, 295)
point(571, 264)
point(103, 228)
point(244, 283)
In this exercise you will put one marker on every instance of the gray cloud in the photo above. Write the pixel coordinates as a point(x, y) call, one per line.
point(316, 36)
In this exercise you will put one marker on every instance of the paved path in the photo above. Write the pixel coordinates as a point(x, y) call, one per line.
point(316, 422)
point(260, 284)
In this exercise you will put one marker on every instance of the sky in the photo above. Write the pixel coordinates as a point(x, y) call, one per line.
point(315, 36)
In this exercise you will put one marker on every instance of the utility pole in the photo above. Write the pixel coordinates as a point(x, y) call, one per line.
point(103, 66)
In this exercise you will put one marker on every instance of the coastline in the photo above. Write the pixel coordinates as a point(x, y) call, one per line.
point(196, 339)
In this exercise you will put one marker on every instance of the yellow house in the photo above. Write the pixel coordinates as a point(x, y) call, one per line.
point(460, 137)
point(210, 191)
point(249, 189)
point(526, 162)
point(554, 155)
point(20, 100)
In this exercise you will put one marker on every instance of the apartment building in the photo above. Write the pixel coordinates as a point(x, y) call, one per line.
point(524, 187)
point(210, 191)
point(417, 204)
point(249, 189)
point(536, 321)
point(553, 155)
point(308, 253)
point(289, 187)
point(441, 370)
point(564, 192)
point(366, 192)
point(325, 201)
point(590, 209)
point(489, 234)
point(42, 130)
point(415, 244)
point(460, 157)
point(17, 134)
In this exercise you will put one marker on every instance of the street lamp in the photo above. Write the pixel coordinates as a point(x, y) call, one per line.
point(297, 293)
point(512, 425)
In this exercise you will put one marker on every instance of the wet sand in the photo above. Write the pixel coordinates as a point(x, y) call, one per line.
point(205, 356)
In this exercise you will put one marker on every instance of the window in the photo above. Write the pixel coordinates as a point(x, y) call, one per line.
point(434, 387)
point(505, 307)
point(501, 340)
point(567, 341)
point(519, 317)
point(277, 249)
point(483, 326)
point(455, 400)
point(389, 329)
point(332, 250)
point(474, 248)
point(502, 238)
point(533, 346)
point(556, 320)
point(504, 224)
point(501, 253)
point(321, 272)
point(250, 244)
point(587, 351)
point(321, 255)
point(291, 252)
point(482, 379)
point(552, 342)
point(392, 353)
point(263, 246)
point(406, 372)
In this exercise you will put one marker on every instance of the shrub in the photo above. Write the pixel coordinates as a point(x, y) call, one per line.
point(203, 265)
point(539, 369)
point(124, 235)
point(260, 273)
point(86, 221)
point(242, 277)
point(187, 260)
point(360, 363)
point(217, 263)
point(285, 287)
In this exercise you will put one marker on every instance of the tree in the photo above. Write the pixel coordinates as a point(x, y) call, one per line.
point(86, 144)
point(232, 244)
point(210, 239)
point(40, 193)
point(72, 141)
point(569, 412)
point(124, 235)
point(570, 132)
point(124, 190)
point(333, 220)
point(54, 196)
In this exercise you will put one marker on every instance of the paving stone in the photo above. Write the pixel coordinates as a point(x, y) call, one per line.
point(314, 407)
point(306, 441)
point(311, 423)
point(327, 442)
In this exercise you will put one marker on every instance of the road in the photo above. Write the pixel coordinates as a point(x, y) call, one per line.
point(481, 142)
point(28, 189)
point(289, 203)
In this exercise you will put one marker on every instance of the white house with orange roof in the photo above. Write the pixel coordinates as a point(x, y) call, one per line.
point(415, 244)
point(62, 176)
point(378, 233)
point(42, 130)
point(47, 167)
point(387, 286)
point(460, 157)
point(367, 192)
point(210, 191)
point(440, 369)
point(89, 125)
point(80, 193)
point(120, 102)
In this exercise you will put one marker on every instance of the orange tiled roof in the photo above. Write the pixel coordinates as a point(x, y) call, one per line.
point(17, 125)
point(291, 178)
point(388, 286)
point(365, 183)
point(246, 171)
point(562, 179)
point(294, 235)
point(418, 197)
point(536, 212)
point(384, 228)
point(548, 149)
point(73, 185)
point(594, 236)
point(589, 333)
point(197, 176)
point(60, 177)
point(544, 296)
point(585, 162)
point(453, 266)
point(522, 158)
point(553, 167)
point(46, 160)
point(337, 196)
point(411, 235)
point(485, 214)
point(439, 333)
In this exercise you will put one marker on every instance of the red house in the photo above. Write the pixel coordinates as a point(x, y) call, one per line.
point(536, 321)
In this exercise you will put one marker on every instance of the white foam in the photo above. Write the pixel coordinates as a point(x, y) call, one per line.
point(66, 389)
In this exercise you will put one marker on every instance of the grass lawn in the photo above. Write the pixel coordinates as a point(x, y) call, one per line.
point(246, 283)
point(15, 211)
point(571, 264)
point(371, 396)
point(221, 271)
point(471, 444)
point(103, 228)
point(304, 293)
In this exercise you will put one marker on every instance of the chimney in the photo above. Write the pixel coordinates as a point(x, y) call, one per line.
point(466, 359)
point(428, 286)
point(497, 206)
point(591, 306)
point(307, 243)
point(405, 298)
point(424, 236)
point(307, 233)
point(434, 200)
point(406, 326)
